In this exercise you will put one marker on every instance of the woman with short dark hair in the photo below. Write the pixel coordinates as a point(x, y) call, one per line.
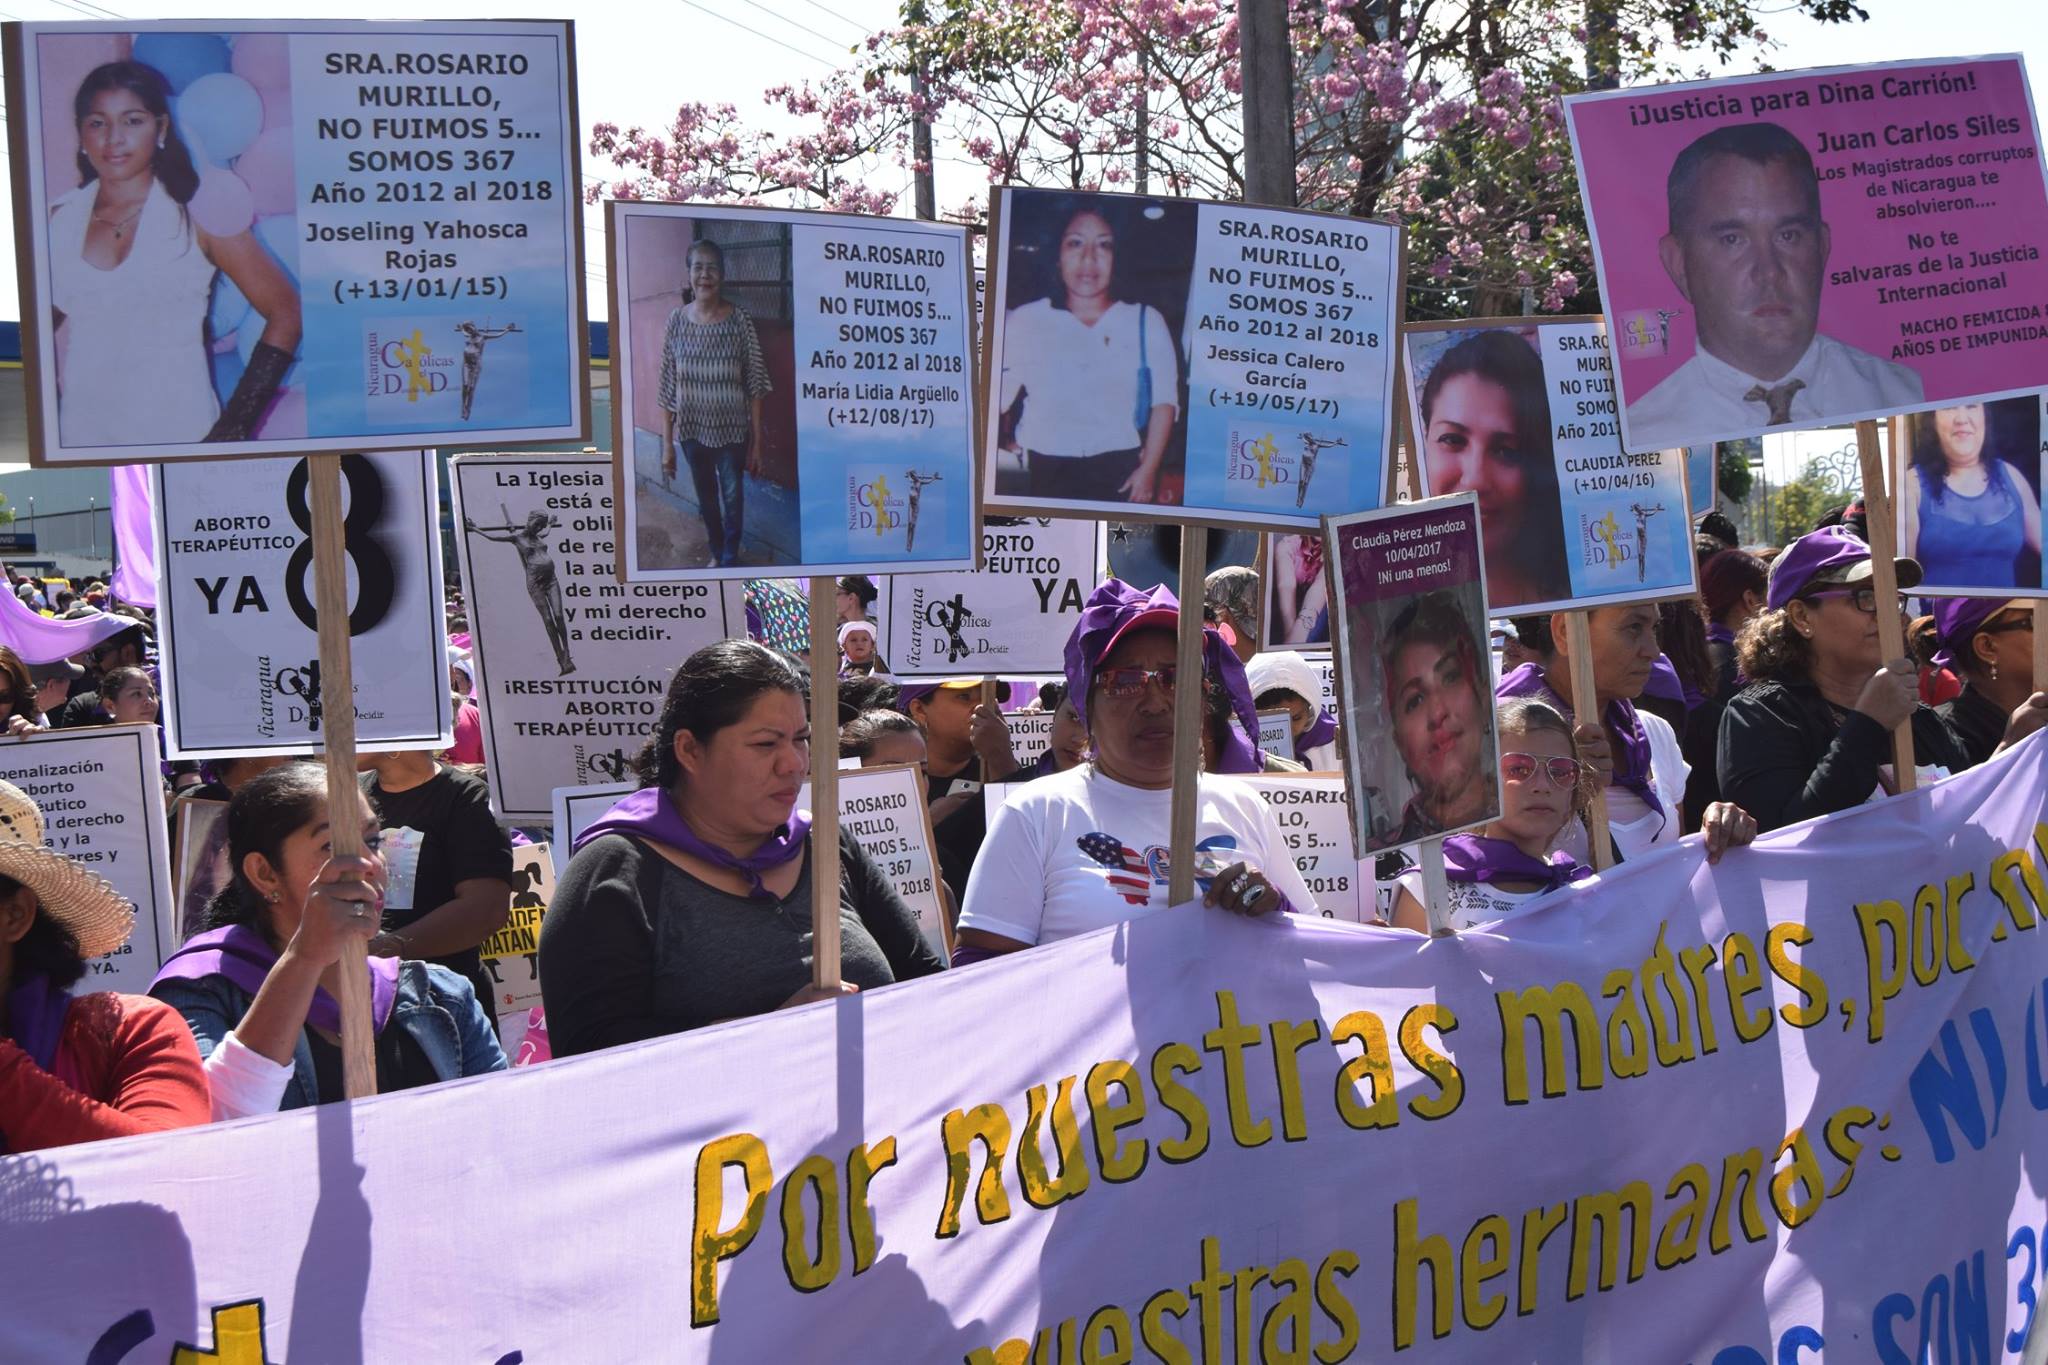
point(1989, 643)
point(690, 900)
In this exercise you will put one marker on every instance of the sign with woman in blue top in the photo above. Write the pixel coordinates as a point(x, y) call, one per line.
point(1189, 361)
point(279, 238)
point(793, 392)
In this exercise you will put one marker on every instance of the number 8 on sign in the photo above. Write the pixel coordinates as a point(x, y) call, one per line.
point(376, 582)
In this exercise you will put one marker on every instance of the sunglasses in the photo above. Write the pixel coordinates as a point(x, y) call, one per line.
point(1129, 682)
point(2000, 625)
point(1863, 599)
point(1563, 772)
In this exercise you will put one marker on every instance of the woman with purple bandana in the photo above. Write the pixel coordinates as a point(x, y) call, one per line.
point(259, 988)
point(689, 901)
point(1090, 847)
point(1989, 643)
point(1811, 734)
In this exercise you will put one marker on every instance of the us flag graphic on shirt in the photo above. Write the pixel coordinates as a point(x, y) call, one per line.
point(1128, 874)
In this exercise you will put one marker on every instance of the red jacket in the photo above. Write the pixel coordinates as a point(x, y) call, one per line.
point(126, 1064)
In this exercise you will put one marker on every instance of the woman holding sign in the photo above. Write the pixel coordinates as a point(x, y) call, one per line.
point(1096, 374)
point(690, 901)
point(133, 255)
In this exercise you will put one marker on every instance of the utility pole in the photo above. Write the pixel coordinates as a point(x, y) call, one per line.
point(921, 149)
point(1268, 66)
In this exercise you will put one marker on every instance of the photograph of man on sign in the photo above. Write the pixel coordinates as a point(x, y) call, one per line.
point(1748, 249)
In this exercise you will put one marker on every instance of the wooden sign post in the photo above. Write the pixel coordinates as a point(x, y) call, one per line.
point(1578, 653)
point(1189, 715)
point(338, 715)
point(824, 782)
point(1436, 886)
point(1884, 580)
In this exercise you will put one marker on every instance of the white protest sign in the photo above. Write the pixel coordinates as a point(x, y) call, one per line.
point(571, 666)
point(575, 809)
point(241, 665)
point(884, 809)
point(1313, 811)
point(512, 955)
point(1013, 615)
point(1030, 734)
point(1276, 733)
point(102, 797)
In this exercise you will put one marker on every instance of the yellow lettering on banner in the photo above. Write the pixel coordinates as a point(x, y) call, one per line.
point(1793, 973)
point(862, 1165)
point(1679, 1242)
point(1288, 1041)
point(1885, 973)
point(1169, 1061)
point(1959, 886)
point(1803, 1172)
point(1411, 1252)
point(1041, 1187)
point(1119, 1161)
point(1434, 1064)
point(1229, 1039)
point(1484, 1257)
point(1930, 932)
point(807, 1273)
point(1208, 1293)
point(1336, 1306)
point(1538, 1226)
point(1151, 1325)
point(1628, 1037)
point(1744, 977)
point(1247, 1279)
point(1749, 1166)
point(1698, 960)
point(1673, 1039)
point(1117, 1324)
point(709, 1243)
point(1012, 1352)
point(1548, 1010)
point(961, 1129)
point(1600, 1213)
point(1842, 1143)
point(1374, 1065)
point(1291, 1278)
point(2017, 907)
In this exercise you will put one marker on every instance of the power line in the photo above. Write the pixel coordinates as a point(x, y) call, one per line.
point(757, 33)
point(850, 23)
point(823, 37)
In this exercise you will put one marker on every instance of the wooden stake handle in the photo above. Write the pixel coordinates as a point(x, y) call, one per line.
point(1578, 653)
point(2041, 646)
point(824, 782)
point(1884, 579)
point(1436, 886)
point(1188, 715)
point(344, 796)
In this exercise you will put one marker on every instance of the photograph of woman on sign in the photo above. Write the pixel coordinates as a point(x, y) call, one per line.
point(713, 381)
point(1301, 605)
point(1485, 422)
point(150, 247)
point(1969, 505)
point(1442, 709)
point(1090, 383)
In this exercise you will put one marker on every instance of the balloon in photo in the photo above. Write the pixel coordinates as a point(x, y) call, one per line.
point(227, 372)
point(266, 168)
point(221, 113)
point(227, 309)
point(182, 57)
point(222, 205)
point(264, 60)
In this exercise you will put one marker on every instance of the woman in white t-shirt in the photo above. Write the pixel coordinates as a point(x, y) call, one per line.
point(1097, 375)
point(1089, 847)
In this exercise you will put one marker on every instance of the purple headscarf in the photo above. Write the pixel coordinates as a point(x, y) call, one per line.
point(650, 814)
point(1477, 858)
point(243, 956)
point(1115, 604)
point(1632, 764)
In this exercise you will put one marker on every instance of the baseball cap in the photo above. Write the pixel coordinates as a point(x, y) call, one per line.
point(1831, 555)
point(62, 669)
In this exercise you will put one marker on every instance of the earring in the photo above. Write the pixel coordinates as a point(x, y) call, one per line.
point(159, 141)
point(1994, 670)
point(274, 897)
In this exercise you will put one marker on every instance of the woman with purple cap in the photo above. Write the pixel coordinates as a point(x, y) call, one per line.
point(1089, 847)
point(259, 987)
point(1811, 734)
point(690, 900)
point(1988, 642)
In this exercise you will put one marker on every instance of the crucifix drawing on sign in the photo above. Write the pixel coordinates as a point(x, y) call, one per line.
point(543, 581)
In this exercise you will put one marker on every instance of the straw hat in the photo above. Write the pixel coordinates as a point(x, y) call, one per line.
point(83, 902)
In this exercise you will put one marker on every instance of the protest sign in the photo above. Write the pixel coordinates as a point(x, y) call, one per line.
point(102, 798)
point(1030, 734)
point(512, 955)
point(240, 638)
point(1417, 700)
point(909, 1187)
point(792, 392)
point(341, 236)
point(1013, 614)
point(1968, 484)
point(1313, 811)
point(1702, 479)
point(574, 809)
point(199, 861)
point(1276, 733)
point(571, 666)
point(884, 809)
point(1297, 614)
point(1196, 361)
point(1522, 414)
point(1811, 247)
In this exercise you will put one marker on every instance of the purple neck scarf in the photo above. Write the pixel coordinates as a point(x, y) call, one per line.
point(35, 1019)
point(1719, 634)
point(1632, 764)
point(1115, 602)
point(1316, 736)
point(1476, 858)
point(649, 814)
point(243, 956)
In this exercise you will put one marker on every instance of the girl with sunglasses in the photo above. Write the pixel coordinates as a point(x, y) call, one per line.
point(1545, 782)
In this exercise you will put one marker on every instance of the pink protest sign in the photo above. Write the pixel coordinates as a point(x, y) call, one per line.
point(1794, 250)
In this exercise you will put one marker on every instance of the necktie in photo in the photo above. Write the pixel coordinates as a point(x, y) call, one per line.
point(1779, 396)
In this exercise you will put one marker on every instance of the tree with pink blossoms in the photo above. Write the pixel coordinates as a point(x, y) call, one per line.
point(1446, 117)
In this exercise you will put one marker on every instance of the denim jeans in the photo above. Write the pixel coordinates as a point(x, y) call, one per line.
point(719, 475)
